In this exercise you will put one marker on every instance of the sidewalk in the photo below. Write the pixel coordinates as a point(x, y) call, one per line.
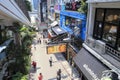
point(42, 59)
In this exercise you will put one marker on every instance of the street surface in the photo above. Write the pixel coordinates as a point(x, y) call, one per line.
point(42, 58)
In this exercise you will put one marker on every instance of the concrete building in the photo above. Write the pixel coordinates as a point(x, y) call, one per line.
point(99, 59)
point(10, 13)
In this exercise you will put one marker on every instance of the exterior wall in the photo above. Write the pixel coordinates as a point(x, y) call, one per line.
point(91, 14)
point(100, 48)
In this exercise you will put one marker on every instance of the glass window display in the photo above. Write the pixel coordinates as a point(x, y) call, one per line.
point(112, 16)
point(100, 14)
point(107, 26)
point(109, 34)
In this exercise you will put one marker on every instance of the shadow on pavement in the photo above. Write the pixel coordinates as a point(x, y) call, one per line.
point(54, 61)
point(60, 57)
point(62, 76)
point(34, 71)
point(53, 79)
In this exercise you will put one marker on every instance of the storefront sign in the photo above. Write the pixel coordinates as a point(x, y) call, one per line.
point(57, 7)
point(91, 72)
point(58, 48)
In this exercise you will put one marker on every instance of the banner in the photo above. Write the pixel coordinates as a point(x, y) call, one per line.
point(57, 48)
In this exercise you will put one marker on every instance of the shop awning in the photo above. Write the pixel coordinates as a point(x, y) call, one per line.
point(52, 34)
point(91, 67)
point(58, 30)
point(2, 48)
point(54, 24)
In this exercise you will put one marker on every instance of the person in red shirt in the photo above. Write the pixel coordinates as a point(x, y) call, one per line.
point(34, 65)
point(40, 77)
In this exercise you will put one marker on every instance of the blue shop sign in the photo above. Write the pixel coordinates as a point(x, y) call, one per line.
point(73, 14)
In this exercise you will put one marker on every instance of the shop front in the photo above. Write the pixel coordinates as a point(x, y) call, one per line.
point(90, 68)
point(74, 23)
point(71, 52)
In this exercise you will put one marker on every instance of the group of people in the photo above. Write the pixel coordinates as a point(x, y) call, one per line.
point(34, 64)
point(40, 77)
point(39, 40)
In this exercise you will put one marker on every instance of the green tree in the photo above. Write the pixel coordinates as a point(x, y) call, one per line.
point(20, 68)
point(28, 5)
point(83, 7)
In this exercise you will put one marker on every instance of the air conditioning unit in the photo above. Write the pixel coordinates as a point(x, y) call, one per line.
point(99, 46)
point(90, 41)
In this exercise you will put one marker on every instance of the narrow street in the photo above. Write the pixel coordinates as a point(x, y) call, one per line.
point(42, 58)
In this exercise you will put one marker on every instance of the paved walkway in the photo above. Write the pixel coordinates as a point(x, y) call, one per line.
point(42, 58)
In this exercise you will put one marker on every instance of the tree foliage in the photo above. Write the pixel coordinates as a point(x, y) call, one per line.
point(20, 68)
point(28, 5)
point(83, 7)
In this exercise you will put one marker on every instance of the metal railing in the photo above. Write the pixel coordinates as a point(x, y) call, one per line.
point(112, 52)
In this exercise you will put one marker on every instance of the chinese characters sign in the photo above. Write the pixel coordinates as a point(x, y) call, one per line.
point(56, 48)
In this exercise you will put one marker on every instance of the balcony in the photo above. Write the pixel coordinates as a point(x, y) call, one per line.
point(101, 48)
point(114, 53)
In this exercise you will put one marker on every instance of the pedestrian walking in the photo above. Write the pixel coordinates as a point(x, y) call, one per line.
point(40, 77)
point(35, 47)
point(40, 40)
point(50, 61)
point(45, 41)
point(59, 74)
point(34, 65)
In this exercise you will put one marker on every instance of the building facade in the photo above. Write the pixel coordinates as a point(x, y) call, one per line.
point(99, 59)
point(65, 18)
point(34, 14)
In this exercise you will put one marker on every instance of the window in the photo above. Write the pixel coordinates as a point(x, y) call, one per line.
point(110, 34)
point(107, 27)
point(98, 23)
point(112, 16)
